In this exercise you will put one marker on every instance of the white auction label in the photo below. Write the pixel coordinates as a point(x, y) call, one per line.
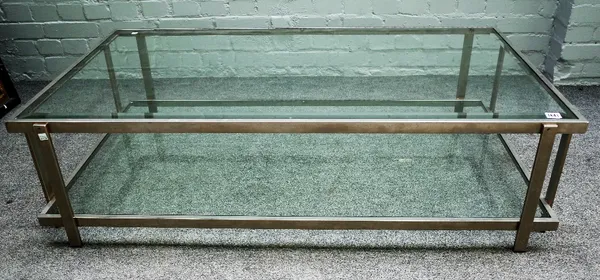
point(43, 136)
point(553, 116)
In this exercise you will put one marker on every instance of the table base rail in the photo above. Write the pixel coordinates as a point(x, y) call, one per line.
point(313, 223)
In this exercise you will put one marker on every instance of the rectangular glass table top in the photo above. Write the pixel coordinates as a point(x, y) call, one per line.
point(302, 74)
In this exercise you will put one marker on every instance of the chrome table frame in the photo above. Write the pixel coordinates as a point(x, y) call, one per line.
point(58, 212)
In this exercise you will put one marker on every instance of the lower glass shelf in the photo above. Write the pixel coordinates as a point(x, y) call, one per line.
point(308, 175)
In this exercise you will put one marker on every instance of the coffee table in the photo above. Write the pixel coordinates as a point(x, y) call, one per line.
point(301, 128)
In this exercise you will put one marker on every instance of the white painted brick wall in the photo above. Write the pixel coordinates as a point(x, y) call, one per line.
point(17, 12)
point(44, 12)
point(580, 61)
point(123, 11)
point(56, 63)
point(213, 8)
point(358, 7)
point(186, 23)
point(78, 24)
point(49, 47)
point(243, 8)
point(328, 7)
point(94, 12)
point(70, 11)
point(71, 30)
point(472, 7)
point(186, 8)
point(26, 48)
point(155, 9)
point(75, 46)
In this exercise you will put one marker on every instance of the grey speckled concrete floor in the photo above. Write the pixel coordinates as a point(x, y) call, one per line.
point(29, 251)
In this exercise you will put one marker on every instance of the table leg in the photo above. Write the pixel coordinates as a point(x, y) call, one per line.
point(146, 72)
point(113, 79)
point(496, 86)
point(465, 64)
point(538, 174)
point(559, 163)
point(36, 157)
point(51, 170)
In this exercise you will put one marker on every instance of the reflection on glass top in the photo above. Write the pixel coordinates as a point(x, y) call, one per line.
point(300, 76)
